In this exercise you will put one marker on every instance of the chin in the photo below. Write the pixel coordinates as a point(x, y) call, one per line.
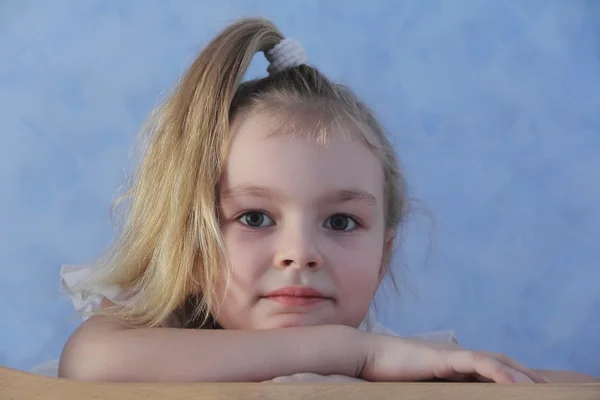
point(293, 321)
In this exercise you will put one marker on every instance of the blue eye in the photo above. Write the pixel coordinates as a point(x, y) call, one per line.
point(256, 219)
point(341, 222)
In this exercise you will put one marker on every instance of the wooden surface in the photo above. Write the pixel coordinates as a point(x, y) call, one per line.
point(16, 385)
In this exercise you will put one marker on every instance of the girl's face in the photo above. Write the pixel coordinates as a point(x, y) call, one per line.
point(304, 229)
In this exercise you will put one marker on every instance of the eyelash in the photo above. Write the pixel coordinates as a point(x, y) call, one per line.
point(352, 218)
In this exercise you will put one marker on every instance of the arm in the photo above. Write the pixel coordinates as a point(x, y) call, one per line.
point(104, 349)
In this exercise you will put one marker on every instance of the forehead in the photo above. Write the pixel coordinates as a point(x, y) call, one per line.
point(317, 121)
point(301, 158)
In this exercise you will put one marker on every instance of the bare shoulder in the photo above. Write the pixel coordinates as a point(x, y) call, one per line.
point(87, 342)
point(567, 376)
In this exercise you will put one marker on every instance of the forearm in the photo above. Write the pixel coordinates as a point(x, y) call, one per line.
point(169, 354)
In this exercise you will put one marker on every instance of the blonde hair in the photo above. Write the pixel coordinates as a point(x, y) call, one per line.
point(169, 251)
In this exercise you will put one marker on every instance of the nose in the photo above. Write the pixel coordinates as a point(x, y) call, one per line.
point(298, 247)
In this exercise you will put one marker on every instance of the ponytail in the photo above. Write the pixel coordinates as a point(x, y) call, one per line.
point(170, 246)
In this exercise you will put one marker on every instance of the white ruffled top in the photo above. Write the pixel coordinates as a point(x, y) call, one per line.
point(85, 301)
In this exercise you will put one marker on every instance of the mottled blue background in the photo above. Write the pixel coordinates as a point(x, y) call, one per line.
point(494, 107)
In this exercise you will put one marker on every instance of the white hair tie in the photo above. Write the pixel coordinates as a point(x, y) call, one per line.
point(287, 53)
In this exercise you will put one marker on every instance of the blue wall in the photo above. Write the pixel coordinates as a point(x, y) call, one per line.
point(494, 107)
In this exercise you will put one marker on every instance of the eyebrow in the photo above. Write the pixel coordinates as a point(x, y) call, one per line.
point(336, 196)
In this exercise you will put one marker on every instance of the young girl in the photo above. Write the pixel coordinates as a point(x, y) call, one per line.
point(258, 228)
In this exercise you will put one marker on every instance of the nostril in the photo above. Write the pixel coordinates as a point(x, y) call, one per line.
point(289, 263)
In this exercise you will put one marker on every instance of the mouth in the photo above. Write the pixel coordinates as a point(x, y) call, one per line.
point(297, 296)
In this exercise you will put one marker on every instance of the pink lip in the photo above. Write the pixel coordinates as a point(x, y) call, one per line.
point(297, 296)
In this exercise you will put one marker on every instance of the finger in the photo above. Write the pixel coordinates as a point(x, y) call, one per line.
point(468, 362)
point(459, 378)
point(478, 378)
point(531, 374)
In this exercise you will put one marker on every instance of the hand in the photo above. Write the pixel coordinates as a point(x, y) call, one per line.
point(391, 358)
point(309, 377)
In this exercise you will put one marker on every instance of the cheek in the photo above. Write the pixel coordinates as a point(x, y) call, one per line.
point(357, 267)
point(246, 256)
point(360, 278)
point(357, 279)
